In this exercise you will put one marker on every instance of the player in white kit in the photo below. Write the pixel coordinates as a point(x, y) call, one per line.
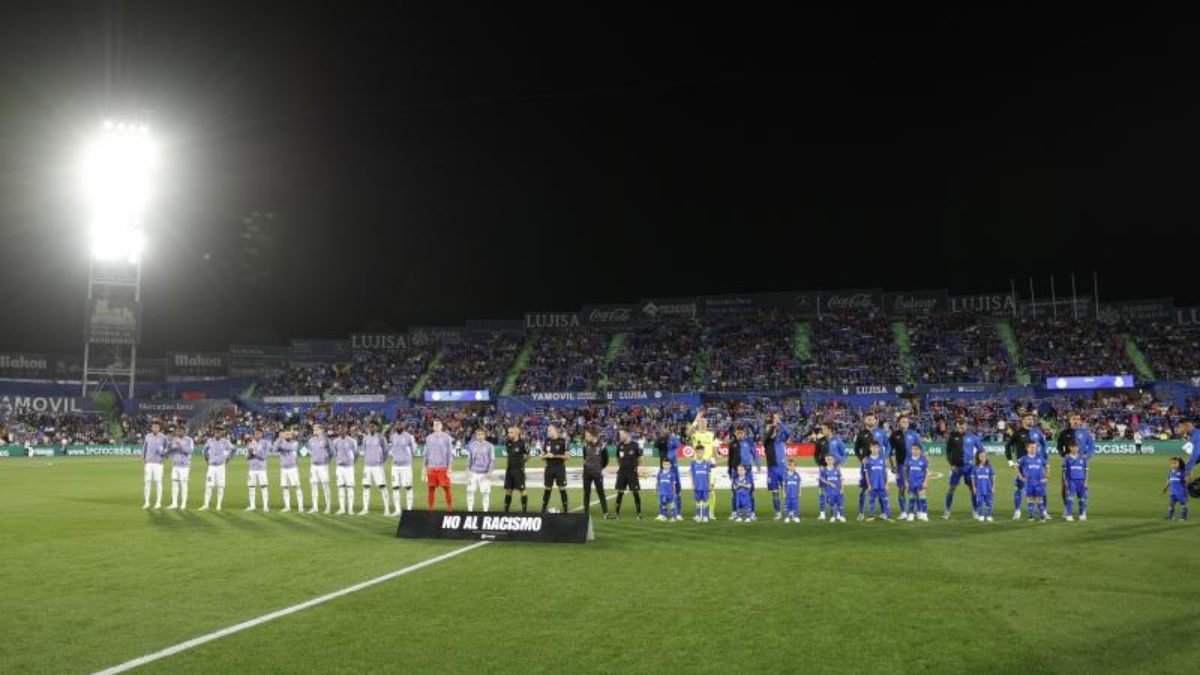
point(481, 458)
point(345, 452)
point(374, 455)
point(400, 446)
point(289, 472)
point(319, 452)
point(154, 448)
point(256, 453)
point(217, 452)
point(179, 447)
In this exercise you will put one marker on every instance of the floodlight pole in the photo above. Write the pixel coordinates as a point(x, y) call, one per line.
point(109, 281)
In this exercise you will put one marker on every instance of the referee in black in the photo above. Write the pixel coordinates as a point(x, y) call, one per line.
point(555, 454)
point(514, 470)
point(629, 455)
point(595, 459)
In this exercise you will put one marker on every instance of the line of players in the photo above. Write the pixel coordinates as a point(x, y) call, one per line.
point(1026, 451)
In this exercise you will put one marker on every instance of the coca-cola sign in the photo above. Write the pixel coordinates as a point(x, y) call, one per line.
point(906, 303)
point(608, 315)
point(851, 302)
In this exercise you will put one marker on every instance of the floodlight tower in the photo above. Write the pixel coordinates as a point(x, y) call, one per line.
point(117, 172)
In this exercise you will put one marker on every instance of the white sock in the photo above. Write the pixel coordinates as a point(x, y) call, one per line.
point(158, 493)
point(328, 501)
point(315, 501)
point(266, 498)
point(408, 499)
point(253, 497)
point(174, 493)
point(487, 498)
point(220, 497)
point(350, 498)
point(387, 500)
point(287, 499)
point(183, 495)
point(207, 495)
point(366, 498)
point(470, 499)
point(396, 497)
point(146, 493)
point(299, 498)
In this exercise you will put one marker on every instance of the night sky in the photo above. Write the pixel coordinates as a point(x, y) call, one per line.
point(372, 165)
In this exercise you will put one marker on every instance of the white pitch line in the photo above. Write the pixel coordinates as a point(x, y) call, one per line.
point(216, 635)
point(237, 628)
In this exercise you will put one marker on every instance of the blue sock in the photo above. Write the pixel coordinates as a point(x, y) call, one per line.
point(887, 506)
point(1069, 504)
point(1042, 508)
point(1017, 499)
point(1083, 500)
point(821, 502)
point(862, 500)
point(949, 500)
point(775, 501)
point(1031, 507)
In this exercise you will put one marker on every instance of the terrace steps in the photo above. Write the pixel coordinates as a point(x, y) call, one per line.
point(1005, 330)
point(1139, 359)
point(802, 342)
point(518, 366)
point(904, 345)
point(419, 385)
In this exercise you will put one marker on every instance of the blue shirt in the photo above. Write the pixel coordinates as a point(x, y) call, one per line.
point(881, 438)
point(985, 478)
point(781, 439)
point(673, 444)
point(1087, 444)
point(748, 452)
point(1075, 468)
point(1175, 480)
point(1192, 446)
point(917, 470)
point(1033, 468)
point(791, 485)
point(831, 479)
point(701, 472)
point(1036, 435)
point(876, 472)
point(972, 445)
point(666, 483)
point(837, 448)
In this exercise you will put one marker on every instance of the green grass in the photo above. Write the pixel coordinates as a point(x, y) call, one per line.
point(89, 580)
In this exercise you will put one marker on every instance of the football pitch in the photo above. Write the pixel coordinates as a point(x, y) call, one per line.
point(88, 580)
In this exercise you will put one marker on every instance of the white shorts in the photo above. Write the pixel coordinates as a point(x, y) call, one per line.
point(345, 476)
point(289, 477)
point(152, 472)
point(402, 476)
point(373, 475)
point(479, 481)
point(319, 473)
point(216, 476)
point(256, 479)
point(180, 473)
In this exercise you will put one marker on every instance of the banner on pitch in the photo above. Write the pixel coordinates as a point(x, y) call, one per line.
point(545, 528)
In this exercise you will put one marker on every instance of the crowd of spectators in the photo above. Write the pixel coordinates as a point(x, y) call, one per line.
point(1067, 347)
point(659, 358)
point(852, 349)
point(758, 354)
point(29, 428)
point(1173, 350)
point(480, 361)
point(957, 347)
point(566, 360)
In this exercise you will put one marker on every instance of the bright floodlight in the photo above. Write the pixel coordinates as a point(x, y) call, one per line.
point(117, 173)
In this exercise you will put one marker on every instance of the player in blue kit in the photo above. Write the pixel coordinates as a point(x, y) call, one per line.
point(831, 490)
point(1075, 475)
point(666, 492)
point(984, 478)
point(741, 496)
point(835, 447)
point(775, 438)
point(917, 468)
point(1177, 487)
point(1031, 469)
point(877, 482)
point(701, 469)
point(791, 493)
